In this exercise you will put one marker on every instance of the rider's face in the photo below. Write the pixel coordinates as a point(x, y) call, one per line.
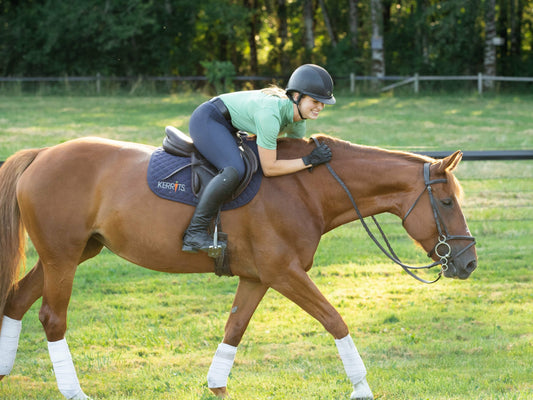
point(310, 108)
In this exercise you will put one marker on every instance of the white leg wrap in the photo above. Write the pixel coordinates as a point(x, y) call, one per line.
point(67, 381)
point(361, 391)
point(217, 376)
point(9, 342)
point(353, 364)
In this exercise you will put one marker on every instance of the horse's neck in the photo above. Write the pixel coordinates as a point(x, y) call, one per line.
point(379, 181)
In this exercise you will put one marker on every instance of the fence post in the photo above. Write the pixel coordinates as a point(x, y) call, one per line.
point(416, 83)
point(352, 82)
point(480, 83)
point(67, 83)
point(98, 83)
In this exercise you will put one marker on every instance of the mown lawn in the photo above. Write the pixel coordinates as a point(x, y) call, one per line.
point(138, 334)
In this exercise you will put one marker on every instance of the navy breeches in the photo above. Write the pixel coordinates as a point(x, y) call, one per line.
point(214, 137)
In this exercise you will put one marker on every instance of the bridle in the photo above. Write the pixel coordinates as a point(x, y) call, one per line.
point(442, 249)
point(444, 235)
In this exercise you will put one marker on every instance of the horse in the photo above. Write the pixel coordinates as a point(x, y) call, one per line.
point(77, 197)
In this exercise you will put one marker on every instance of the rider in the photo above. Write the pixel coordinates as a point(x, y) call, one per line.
point(265, 113)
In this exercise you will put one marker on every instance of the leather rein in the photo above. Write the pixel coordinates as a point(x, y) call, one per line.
point(442, 249)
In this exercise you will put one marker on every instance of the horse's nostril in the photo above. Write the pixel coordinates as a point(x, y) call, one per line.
point(471, 266)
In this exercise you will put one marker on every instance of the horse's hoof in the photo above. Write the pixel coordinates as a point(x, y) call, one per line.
point(80, 396)
point(220, 392)
point(361, 391)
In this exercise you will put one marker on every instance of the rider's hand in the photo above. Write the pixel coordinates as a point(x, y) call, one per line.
point(319, 155)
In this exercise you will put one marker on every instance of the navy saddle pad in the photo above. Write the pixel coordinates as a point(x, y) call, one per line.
point(169, 177)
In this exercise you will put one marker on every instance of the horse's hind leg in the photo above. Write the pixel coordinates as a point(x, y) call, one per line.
point(18, 303)
point(21, 298)
point(28, 290)
point(57, 289)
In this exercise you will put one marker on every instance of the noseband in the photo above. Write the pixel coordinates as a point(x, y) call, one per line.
point(442, 249)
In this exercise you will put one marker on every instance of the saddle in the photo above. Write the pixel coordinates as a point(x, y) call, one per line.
point(202, 171)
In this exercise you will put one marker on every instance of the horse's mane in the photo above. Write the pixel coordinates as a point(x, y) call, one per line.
point(294, 145)
point(344, 145)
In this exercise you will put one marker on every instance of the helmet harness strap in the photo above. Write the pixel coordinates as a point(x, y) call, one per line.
point(297, 102)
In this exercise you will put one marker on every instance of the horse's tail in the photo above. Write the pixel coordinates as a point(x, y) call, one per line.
point(12, 232)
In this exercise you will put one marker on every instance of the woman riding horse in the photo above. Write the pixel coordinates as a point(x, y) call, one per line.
point(265, 113)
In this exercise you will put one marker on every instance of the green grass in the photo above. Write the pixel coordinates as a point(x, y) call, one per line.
point(138, 334)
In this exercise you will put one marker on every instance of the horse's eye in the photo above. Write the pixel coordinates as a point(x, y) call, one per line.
point(447, 202)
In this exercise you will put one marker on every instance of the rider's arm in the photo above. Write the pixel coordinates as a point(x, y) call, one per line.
point(273, 167)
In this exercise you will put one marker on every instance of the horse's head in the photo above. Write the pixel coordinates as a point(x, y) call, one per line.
point(435, 219)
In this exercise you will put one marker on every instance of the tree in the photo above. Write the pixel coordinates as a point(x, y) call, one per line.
point(328, 24)
point(378, 52)
point(283, 34)
point(252, 33)
point(353, 20)
point(490, 37)
point(308, 25)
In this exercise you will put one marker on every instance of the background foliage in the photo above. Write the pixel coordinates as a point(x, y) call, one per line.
point(174, 37)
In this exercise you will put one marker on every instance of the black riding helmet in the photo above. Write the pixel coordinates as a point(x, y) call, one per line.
point(313, 81)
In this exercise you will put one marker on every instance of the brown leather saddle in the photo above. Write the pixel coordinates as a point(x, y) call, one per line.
point(179, 144)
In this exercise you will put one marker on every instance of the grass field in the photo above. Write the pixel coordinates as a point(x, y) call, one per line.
point(137, 334)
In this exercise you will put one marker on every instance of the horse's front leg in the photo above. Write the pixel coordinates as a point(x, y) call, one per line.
point(298, 287)
point(20, 299)
point(248, 296)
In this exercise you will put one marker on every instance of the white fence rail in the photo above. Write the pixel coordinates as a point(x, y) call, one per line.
point(353, 79)
point(480, 78)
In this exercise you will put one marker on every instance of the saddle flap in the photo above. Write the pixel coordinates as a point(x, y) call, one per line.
point(202, 173)
point(251, 165)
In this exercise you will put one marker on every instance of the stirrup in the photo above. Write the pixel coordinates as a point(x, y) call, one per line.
point(216, 251)
point(218, 248)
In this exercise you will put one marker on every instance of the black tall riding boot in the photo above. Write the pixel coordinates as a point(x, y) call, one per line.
point(216, 192)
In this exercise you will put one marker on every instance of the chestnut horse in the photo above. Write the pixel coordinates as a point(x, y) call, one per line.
point(77, 197)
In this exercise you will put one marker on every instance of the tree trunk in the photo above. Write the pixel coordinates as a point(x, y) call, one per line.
point(308, 24)
point(252, 33)
point(513, 18)
point(421, 30)
point(516, 28)
point(378, 53)
point(489, 62)
point(327, 22)
point(353, 23)
point(283, 34)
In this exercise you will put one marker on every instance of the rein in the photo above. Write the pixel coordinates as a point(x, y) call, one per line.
point(442, 249)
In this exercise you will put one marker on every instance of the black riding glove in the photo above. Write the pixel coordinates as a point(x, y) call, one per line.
point(320, 155)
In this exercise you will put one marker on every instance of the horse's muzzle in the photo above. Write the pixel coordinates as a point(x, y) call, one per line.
point(460, 270)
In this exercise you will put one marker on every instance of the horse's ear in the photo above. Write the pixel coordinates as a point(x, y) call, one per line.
point(450, 163)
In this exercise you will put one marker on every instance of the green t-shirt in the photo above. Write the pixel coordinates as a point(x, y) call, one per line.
point(264, 115)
